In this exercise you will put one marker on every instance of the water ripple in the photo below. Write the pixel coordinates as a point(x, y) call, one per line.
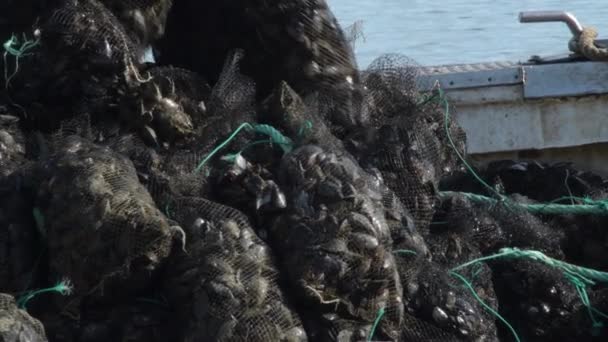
point(462, 31)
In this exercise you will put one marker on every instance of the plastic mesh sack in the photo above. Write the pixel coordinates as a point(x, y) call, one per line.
point(287, 111)
point(145, 19)
point(438, 306)
point(102, 225)
point(539, 301)
point(186, 88)
point(16, 324)
point(305, 46)
point(226, 283)
point(580, 237)
point(402, 133)
point(220, 111)
point(334, 244)
point(89, 27)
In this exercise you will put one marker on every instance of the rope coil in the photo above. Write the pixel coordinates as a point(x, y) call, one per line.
point(585, 45)
point(275, 136)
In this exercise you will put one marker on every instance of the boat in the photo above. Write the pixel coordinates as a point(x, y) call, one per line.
point(548, 108)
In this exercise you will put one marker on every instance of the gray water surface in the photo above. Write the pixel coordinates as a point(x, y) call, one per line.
point(462, 31)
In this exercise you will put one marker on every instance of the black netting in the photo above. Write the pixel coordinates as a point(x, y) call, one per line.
point(335, 244)
point(228, 279)
point(144, 19)
point(250, 183)
point(89, 25)
point(106, 226)
point(304, 45)
point(439, 307)
point(404, 136)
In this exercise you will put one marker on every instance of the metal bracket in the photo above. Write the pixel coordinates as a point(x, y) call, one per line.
point(553, 16)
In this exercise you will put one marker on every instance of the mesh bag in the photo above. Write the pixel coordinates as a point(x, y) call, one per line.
point(288, 112)
point(87, 28)
point(178, 170)
point(539, 301)
point(334, 244)
point(437, 304)
point(184, 87)
point(161, 105)
point(304, 46)
point(16, 324)
point(349, 177)
point(226, 283)
point(95, 66)
point(584, 239)
point(93, 62)
point(438, 307)
point(536, 299)
point(102, 225)
point(144, 19)
point(495, 227)
point(405, 136)
point(143, 318)
point(311, 53)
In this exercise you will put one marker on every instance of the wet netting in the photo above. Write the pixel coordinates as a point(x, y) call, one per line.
point(224, 171)
point(225, 281)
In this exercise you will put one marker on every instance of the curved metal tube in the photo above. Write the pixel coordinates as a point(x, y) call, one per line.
point(552, 16)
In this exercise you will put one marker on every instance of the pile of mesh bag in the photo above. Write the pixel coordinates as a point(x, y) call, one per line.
point(223, 171)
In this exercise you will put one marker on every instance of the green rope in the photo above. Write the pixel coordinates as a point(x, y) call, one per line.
point(446, 104)
point(579, 276)
point(222, 145)
point(11, 47)
point(275, 137)
point(307, 126)
point(405, 252)
point(63, 287)
point(427, 98)
point(581, 289)
point(469, 286)
point(232, 156)
point(590, 207)
point(381, 313)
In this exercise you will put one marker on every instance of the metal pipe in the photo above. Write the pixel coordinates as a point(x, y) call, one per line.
point(552, 16)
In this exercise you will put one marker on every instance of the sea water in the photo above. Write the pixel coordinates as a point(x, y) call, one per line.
point(462, 31)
